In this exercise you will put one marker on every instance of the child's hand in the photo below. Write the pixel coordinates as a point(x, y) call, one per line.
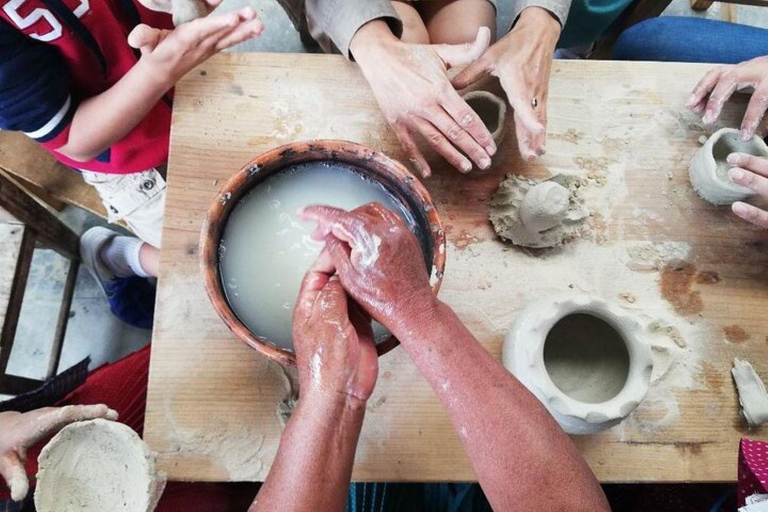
point(752, 172)
point(174, 52)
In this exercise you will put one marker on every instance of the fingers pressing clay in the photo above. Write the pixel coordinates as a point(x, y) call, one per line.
point(758, 104)
point(751, 214)
point(460, 54)
point(51, 420)
point(750, 180)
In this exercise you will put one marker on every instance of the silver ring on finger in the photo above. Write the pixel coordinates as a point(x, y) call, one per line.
point(534, 102)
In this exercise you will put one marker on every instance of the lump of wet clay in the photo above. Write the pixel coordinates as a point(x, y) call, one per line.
point(536, 214)
point(97, 466)
point(752, 394)
point(544, 206)
point(708, 169)
point(185, 11)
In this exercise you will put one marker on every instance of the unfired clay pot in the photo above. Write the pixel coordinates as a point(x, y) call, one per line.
point(582, 357)
point(492, 111)
point(708, 169)
point(97, 466)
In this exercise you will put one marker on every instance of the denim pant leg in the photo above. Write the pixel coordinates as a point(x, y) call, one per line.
point(682, 39)
point(588, 19)
point(397, 497)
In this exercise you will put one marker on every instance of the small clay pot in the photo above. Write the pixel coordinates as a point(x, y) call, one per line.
point(583, 358)
point(95, 466)
point(708, 169)
point(492, 111)
point(373, 164)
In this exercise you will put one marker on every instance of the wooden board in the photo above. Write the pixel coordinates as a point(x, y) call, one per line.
point(25, 159)
point(212, 406)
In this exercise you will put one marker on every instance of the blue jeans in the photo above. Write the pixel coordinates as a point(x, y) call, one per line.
point(681, 39)
point(588, 20)
point(397, 497)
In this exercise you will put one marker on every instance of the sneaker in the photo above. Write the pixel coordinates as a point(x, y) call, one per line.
point(131, 299)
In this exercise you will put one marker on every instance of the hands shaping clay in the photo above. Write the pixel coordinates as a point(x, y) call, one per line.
point(97, 466)
point(583, 358)
point(185, 11)
point(536, 214)
point(708, 169)
point(492, 111)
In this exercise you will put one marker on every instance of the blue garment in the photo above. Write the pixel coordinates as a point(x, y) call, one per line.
point(679, 39)
point(588, 20)
point(34, 87)
point(397, 497)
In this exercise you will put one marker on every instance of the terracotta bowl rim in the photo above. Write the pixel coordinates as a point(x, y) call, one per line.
point(367, 161)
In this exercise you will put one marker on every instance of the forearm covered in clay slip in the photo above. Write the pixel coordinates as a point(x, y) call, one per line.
point(515, 446)
point(315, 458)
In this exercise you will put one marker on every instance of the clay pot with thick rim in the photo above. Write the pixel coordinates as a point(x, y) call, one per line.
point(372, 164)
point(585, 359)
point(709, 179)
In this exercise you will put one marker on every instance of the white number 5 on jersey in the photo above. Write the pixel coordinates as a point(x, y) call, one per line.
point(23, 22)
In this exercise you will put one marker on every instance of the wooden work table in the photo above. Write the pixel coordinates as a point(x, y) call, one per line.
point(693, 273)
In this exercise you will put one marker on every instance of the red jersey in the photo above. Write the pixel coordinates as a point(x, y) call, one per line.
point(55, 54)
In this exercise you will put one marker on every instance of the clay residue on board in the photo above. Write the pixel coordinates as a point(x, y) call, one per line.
point(735, 333)
point(676, 281)
point(570, 135)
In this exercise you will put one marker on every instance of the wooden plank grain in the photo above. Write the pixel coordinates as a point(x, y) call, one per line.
point(213, 404)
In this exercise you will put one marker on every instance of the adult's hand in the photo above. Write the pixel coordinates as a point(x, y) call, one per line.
point(522, 60)
point(169, 5)
point(752, 172)
point(415, 94)
point(333, 339)
point(172, 53)
point(19, 432)
point(378, 260)
point(718, 86)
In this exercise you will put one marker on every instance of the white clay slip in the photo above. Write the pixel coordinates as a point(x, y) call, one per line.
point(708, 169)
point(537, 214)
point(752, 394)
point(97, 466)
point(492, 111)
point(586, 360)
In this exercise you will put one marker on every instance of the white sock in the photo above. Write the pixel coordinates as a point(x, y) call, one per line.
point(121, 256)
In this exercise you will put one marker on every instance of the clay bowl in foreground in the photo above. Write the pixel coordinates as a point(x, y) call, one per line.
point(372, 164)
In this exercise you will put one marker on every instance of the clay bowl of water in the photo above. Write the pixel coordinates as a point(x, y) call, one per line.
point(254, 249)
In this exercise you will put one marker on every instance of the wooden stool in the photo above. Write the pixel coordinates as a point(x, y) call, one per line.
point(25, 222)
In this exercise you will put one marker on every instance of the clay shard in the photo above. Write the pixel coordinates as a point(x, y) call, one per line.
point(537, 214)
point(185, 11)
point(752, 394)
point(708, 169)
point(95, 466)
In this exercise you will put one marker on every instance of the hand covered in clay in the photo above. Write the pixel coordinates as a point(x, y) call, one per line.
point(183, 11)
point(522, 60)
point(718, 86)
point(172, 53)
point(751, 172)
point(378, 260)
point(415, 94)
point(19, 432)
point(333, 338)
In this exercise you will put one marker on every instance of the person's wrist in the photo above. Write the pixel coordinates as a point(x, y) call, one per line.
point(371, 38)
point(540, 20)
point(419, 313)
point(330, 405)
point(160, 75)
